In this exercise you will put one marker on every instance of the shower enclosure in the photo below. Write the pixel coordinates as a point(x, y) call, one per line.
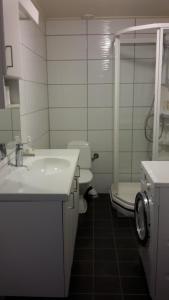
point(156, 122)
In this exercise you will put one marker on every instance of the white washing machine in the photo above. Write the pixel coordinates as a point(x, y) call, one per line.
point(152, 224)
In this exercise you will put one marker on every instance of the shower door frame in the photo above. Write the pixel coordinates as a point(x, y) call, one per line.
point(159, 27)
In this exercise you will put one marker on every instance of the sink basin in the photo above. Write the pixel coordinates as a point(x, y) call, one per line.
point(50, 172)
point(49, 165)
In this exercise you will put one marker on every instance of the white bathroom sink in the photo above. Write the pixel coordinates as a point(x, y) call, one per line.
point(49, 172)
point(49, 165)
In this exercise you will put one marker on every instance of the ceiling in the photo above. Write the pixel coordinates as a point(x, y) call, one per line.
point(102, 8)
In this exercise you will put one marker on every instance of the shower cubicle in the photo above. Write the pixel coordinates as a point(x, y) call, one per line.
point(156, 122)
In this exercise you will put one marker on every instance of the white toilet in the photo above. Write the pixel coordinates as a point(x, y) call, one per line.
point(86, 175)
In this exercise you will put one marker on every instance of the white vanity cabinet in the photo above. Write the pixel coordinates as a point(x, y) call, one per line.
point(70, 221)
point(12, 38)
point(37, 238)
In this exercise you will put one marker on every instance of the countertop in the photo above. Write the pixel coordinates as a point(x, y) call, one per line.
point(18, 181)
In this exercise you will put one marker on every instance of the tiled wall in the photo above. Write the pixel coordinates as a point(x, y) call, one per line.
point(80, 83)
point(9, 124)
point(33, 86)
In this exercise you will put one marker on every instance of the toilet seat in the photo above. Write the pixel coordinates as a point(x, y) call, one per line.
point(86, 176)
point(121, 206)
point(124, 203)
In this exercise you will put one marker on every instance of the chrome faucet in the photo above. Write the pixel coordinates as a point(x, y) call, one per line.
point(19, 155)
point(2, 151)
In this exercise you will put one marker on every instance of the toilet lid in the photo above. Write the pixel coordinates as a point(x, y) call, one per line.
point(86, 176)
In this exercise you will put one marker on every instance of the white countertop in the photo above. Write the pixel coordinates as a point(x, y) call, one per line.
point(158, 171)
point(18, 181)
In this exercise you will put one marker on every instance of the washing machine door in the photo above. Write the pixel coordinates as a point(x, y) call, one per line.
point(142, 217)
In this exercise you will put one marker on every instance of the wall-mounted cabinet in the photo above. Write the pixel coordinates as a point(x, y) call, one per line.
point(11, 11)
point(12, 38)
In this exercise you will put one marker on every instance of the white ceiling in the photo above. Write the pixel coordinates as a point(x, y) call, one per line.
point(103, 8)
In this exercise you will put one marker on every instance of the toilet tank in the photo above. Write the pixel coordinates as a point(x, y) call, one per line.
point(85, 153)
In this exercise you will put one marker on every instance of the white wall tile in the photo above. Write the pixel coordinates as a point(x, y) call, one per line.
point(71, 91)
point(33, 96)
point(140, 143)
point(42, 142)
point(100, 26)
point(108, 26)
point(42, 24)
point(33, 67)
point(143, 94)
point(100, 140)
point(104, 163)
point(145, 51)
point(67, 72)
point(100, 95)
point(125, 118)
point(65, 27)
point(33, 86)
point(126, 52)
point(125, 140)
point(66, 47)
point(145, 35)
point(100, 118)
point(120, 24)
point(100, 46)
point(125, 177)
point(125, 162)
point(5, 119)
point(102, 182)
point(136, 177)
point(127, 71)
point(126, 95)
point(99, 71)
point(144, 71)
point(139, 116)
point(60, 139)
point(137, 158)
point(68, 119)
point(67, 95)
point(32, 37)
point(34, 124)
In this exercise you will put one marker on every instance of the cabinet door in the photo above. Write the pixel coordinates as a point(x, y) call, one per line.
point(68, 238)
point(12, 38)
point(76, 209)
point(70, 222)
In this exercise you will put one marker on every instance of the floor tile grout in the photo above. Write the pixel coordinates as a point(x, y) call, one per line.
point(97, 220)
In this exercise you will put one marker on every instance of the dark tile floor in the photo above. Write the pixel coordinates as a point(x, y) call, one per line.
point(106, 261)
